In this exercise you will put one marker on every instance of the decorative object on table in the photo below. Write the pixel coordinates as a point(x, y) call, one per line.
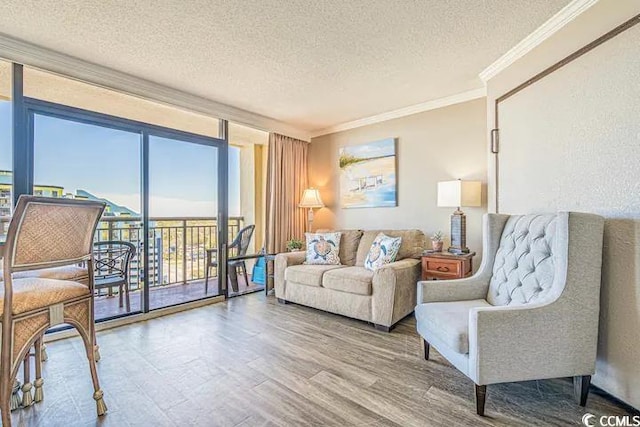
point(46, 232)
point(368, 175)
point(311, 200)
point(457, 194)
point(384, 250)
point(294, 245)
point(238, 247)
point(112, 260)
point(436, 241)
point(323, 248)
point(445, 265)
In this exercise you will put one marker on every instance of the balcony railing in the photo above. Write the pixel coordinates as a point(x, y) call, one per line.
point(177, 246)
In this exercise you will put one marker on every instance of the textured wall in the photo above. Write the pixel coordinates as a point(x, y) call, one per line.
point(437, 145)
point(572, 142)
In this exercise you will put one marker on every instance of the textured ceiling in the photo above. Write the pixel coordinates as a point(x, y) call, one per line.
point(312, 64)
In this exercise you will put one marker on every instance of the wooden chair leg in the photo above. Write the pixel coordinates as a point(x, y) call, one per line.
point(9, 396)
point(581, 389)
point(481, 397)
point(5, 399)
point(90, 348)
point(39, 382)
point(120, 296)
point(27, 397)
point(426, 349)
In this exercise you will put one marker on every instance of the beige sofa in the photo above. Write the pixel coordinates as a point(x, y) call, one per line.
point(383, 298)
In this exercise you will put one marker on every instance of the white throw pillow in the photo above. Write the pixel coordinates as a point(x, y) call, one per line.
point(384, 250)
point(323, 248)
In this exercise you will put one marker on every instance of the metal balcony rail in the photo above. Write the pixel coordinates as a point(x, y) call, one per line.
point(177, 245)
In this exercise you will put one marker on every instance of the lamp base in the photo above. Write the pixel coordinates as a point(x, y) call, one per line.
point(310, 220)
point(458, 251)
point(458, 233)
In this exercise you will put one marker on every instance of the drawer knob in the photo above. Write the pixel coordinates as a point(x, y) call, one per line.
point(441, 268)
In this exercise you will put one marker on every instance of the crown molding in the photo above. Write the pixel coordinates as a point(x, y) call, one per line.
point(42, 58)
point(406, 111)
point(542, 33)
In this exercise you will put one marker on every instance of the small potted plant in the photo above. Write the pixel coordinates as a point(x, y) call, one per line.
point(294, 245)
point(436, 241)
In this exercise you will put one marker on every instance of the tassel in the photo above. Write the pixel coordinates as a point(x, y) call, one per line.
point(43, 354)
point(39, 392)
point(96, 353)
point(27, 397)
point(15, 396)
point(100, 405)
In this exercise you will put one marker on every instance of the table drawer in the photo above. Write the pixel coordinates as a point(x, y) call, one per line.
point(444, 267)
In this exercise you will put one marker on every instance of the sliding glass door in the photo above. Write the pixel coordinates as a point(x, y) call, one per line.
point(183, 226)
point(79, 160)
point(165, 192)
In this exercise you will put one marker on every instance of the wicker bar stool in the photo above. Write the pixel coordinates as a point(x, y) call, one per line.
point(43, 233)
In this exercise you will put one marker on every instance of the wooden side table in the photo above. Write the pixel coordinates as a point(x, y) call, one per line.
point(444, 265)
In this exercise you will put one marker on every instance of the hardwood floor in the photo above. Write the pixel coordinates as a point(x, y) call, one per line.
point(253, 362)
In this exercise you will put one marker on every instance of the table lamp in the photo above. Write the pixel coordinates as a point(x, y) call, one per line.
point(457, 194)
point(311, 200)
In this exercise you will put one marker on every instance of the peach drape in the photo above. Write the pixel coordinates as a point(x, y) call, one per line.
point(286, 180)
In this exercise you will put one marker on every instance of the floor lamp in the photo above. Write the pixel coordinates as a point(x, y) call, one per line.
point(311, 200)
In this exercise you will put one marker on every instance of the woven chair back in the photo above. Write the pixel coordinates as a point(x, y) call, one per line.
point(49, 232)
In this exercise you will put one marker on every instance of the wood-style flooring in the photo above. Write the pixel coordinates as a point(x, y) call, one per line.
point(253, 362)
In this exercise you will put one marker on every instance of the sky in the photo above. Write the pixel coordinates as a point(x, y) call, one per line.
point(385, 147)
point(106, 162)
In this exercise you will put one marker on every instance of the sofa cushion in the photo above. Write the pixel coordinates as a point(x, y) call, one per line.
point(34, 293)
point(411, 247)
point(449, 321)
point(349, 242)
point(349, 246)
point(354, 280)
point(310, 275)
point(384, 250)
point(323, 248)
point(68, 272)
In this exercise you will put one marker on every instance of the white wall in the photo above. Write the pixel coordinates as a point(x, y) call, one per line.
point(437, 145)
point(572, 142)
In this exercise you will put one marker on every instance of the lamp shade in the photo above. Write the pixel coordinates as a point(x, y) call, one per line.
point(311, 199)
point(454, 194)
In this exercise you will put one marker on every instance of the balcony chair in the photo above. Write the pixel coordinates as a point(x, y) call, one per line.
point(45, 233)
point(111, 267)
point(531, 310)
point(238, 247)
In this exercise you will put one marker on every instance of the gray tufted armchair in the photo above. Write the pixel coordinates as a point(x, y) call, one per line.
point(530, 312)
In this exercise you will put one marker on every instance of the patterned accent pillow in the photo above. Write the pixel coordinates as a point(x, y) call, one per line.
point(384, 250)
point(323, 248)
